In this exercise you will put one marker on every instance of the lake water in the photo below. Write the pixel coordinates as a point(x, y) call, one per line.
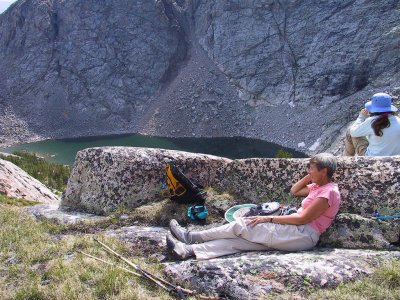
point(64, 150)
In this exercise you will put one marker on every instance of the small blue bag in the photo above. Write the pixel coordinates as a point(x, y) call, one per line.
point(197, 212)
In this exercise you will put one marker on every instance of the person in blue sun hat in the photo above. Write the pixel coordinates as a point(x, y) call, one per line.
point(376, 132)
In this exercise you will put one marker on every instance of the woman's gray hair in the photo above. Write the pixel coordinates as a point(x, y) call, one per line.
point(325, 160)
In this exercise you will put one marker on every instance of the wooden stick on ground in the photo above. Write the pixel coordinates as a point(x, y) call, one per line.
point(154, 278)
point(136, 267)
point(111, 264)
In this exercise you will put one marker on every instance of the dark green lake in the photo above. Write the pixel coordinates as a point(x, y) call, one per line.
point(64, 150)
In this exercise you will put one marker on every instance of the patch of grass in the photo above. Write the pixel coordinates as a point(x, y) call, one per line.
point(52, 227)
point(37, 265)
point(157, 214)
point(389, 276)
point(29, 293)
point(384, 284)
point(53, 175)
point(15, 201)
point(160, 213)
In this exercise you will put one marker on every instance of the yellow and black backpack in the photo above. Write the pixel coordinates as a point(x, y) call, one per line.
point(182, 189)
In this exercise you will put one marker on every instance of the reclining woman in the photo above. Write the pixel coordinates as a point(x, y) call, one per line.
point(376, 132)
point(295, 232)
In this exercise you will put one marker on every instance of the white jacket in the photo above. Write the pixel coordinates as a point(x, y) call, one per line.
point(386, 145)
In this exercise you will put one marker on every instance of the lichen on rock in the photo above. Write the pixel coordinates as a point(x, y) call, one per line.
point(355, 232)
point(104, 179)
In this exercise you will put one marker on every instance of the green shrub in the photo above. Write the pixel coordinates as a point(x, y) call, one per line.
point(53, 175)
point(283, 154)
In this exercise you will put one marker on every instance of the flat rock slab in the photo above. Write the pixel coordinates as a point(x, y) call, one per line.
point(253, 275)
point(145, 241)
point(53, 212)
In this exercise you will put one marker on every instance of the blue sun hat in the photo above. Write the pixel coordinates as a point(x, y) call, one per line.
point(380, 102)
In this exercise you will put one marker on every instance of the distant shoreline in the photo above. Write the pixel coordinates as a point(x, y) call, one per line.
point(63, 150)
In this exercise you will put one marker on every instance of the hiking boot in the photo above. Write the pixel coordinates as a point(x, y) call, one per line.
point(179, 232)
point(180, 249)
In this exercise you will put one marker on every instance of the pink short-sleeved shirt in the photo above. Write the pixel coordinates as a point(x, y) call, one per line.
point(328, 191)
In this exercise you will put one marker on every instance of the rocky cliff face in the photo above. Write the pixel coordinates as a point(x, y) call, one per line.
point(290, 72)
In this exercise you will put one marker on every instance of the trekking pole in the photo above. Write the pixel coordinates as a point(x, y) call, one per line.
point(121, 268)
point(144, 272)
point(111, 264)
point(180, 291)
point(124, 269)
point(379, 217)
point(136, 267)
point(154, 278)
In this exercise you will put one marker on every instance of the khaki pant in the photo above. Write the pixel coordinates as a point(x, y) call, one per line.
point(237, 236)
point(354, 145)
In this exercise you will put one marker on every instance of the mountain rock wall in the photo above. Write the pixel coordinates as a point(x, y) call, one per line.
point(290, 72)
point(83, 68)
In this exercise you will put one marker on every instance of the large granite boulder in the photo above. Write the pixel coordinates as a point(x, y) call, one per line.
point(366, 184)
point(16, 183)
point(355, 232)
point(104, 179)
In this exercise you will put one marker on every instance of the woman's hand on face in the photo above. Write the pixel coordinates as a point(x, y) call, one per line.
point(364, 112)
point(254, 220)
